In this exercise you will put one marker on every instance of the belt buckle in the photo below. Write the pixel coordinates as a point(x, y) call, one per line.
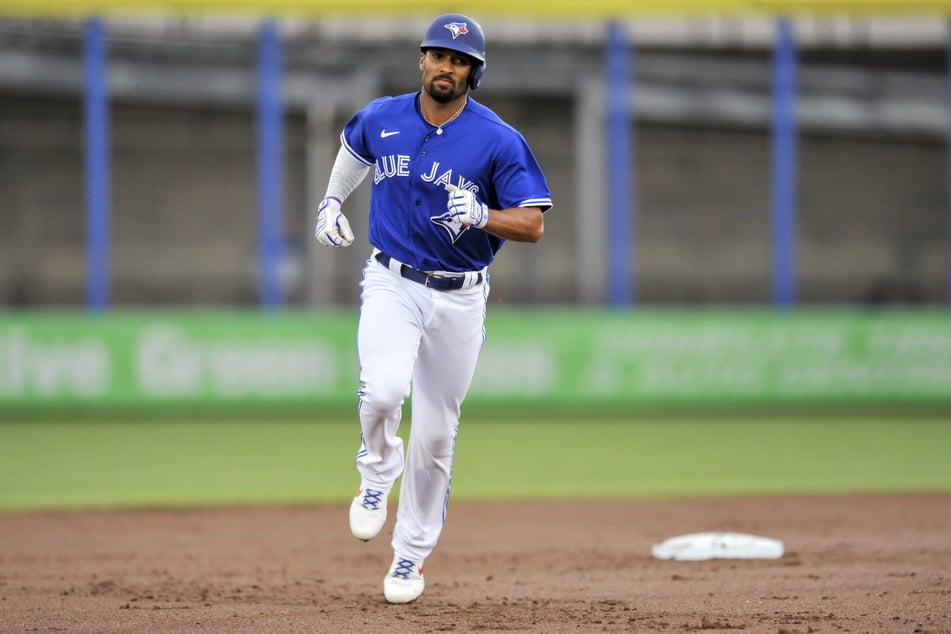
point(441, 279)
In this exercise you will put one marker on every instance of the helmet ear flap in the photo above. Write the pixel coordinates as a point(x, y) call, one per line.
point(475, 78)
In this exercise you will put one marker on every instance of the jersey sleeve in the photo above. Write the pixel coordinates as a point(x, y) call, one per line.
point(519, 181)
point(354, 138)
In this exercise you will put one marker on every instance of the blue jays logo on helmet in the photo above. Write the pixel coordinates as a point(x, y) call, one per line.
point(457, 29)
point(457, 32)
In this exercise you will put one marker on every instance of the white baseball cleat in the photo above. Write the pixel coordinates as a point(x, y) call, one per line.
point(367, 513)
point(404, 583)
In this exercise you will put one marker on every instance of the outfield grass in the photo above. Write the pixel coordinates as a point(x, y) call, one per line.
point(75, 464)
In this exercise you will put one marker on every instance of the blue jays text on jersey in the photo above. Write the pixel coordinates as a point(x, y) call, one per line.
point(476, 151)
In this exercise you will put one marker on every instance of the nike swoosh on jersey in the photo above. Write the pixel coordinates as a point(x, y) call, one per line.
point(384, 133)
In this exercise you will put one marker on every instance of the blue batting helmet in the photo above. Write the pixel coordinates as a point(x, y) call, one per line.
point(457, 32)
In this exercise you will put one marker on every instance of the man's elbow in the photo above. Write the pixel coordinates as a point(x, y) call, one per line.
point(537, 229)
point(537, 232)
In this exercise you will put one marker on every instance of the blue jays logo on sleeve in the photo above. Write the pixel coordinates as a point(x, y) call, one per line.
point(457, 29)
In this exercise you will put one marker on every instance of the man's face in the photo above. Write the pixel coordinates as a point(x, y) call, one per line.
point(445, 73)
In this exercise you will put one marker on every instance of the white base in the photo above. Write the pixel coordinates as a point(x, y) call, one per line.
point(701, 546)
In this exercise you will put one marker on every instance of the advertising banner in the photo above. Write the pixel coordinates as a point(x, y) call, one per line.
point(586, 359)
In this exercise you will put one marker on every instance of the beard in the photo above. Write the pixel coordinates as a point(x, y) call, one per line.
point(441, 94)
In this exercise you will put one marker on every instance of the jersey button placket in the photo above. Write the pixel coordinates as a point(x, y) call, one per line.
point(418, 221)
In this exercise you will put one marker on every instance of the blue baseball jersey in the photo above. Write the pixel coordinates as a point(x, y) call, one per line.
point(413, 164)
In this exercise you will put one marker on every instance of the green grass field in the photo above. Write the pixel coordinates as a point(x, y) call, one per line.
point(141, 463)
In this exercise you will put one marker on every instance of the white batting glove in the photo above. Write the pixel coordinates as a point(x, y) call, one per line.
point(464, 207)
point(333, 228)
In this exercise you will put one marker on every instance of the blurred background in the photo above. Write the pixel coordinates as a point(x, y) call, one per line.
point(751, 232)
point(727, 196)
point(714, 165)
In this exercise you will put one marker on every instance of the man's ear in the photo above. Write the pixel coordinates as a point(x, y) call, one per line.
point(422, 56)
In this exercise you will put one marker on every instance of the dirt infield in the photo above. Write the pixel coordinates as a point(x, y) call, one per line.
point(852, 564)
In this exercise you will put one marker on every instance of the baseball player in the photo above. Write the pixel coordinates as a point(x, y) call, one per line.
point(451, 183)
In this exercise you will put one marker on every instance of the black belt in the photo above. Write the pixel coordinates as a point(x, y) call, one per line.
point(437, 282)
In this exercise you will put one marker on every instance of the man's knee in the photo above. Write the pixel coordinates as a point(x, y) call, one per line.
point(381, 398)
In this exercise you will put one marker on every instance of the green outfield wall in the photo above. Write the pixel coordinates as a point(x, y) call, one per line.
point(577, 360)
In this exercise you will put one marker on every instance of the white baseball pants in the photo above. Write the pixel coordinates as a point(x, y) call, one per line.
point(409, 334)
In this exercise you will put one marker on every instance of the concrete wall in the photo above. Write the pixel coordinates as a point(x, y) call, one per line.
point(872, 225)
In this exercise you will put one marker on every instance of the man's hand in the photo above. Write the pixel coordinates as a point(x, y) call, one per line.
point(464, 207)
point(333, 228)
